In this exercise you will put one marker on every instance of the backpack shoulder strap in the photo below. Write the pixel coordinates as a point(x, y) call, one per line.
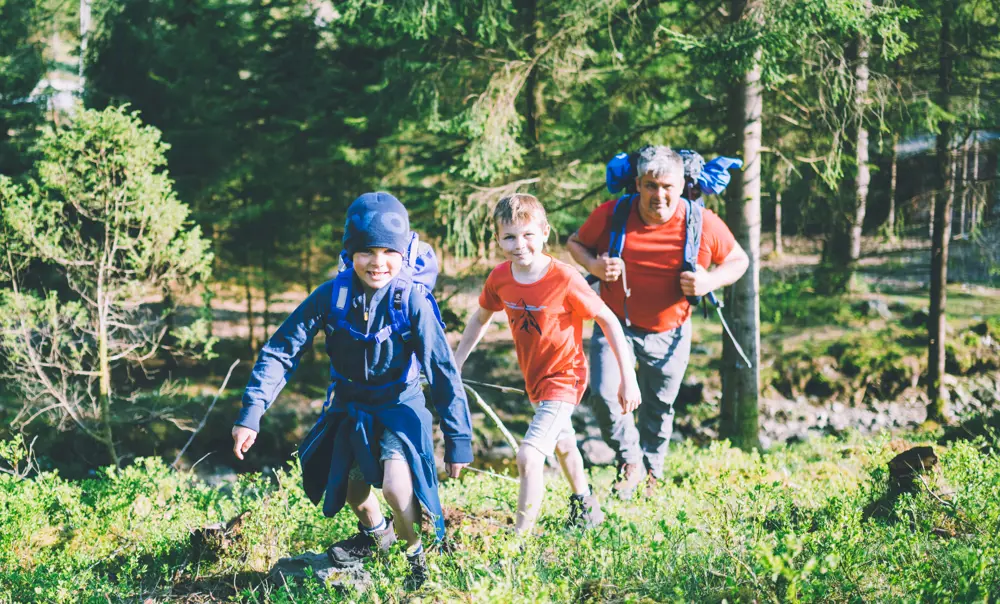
point(692, 240)
point(340, 300)
point(399, 305)
point(619, 219)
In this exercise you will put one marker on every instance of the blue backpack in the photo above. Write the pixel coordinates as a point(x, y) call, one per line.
point(711, 177)
point(420, 270)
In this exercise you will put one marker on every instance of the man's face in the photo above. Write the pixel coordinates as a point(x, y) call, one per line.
point(658, 197)
point(522, 244)
point(377, 266)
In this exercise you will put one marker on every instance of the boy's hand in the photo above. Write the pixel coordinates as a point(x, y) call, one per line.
point(243, 439)
point(629, 396)
point(454, 469)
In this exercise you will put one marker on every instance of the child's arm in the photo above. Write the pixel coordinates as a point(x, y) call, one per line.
point(277, 361)
point(629, 396)
point(446, 388)
point(474, 331)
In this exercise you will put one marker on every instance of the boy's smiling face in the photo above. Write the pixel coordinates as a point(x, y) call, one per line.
point(522, 243)
point(376, 267)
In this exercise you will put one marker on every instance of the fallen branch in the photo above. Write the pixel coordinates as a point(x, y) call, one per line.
point(207, 413)
point(495, 386)
point(493, 474)
point(496, 419)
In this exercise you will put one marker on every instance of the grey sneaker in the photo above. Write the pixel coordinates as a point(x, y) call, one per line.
point(356, 549)
point(585, 511)
point(629, 477)
point(418, 572)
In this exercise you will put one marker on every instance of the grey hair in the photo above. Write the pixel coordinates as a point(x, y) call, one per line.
point(659, 160)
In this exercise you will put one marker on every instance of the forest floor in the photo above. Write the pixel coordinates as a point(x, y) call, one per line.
point(816, 515)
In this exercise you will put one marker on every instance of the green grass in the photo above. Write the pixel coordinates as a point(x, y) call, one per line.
point(725, 525)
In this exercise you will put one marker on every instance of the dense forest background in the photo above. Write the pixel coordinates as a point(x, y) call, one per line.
point(174, 176)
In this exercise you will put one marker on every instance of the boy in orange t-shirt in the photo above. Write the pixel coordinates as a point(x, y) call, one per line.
point(546, 302)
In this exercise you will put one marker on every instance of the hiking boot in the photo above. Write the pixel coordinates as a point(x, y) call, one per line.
point(356, 549)
point(629, 477)
point(418, 571)
point(651, 482)
point(585, 511)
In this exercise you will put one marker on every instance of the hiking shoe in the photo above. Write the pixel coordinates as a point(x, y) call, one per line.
point(356, 549)
point(585, 511)
point(418, 571)
point(651, 482)
point(629, 477)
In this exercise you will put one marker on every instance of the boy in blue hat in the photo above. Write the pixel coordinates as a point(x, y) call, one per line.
point(381, 328)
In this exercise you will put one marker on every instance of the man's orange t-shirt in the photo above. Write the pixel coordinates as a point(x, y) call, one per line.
point(654, 256)
point(546, 318)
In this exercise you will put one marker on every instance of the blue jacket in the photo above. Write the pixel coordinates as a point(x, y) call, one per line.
point(367, 394)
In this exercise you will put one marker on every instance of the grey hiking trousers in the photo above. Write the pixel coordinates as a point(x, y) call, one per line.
point(662, 359)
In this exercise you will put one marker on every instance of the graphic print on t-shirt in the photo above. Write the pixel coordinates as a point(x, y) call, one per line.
point(526, 321)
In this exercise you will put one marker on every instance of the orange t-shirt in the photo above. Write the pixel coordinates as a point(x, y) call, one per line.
point(546, 318)
point(653, 258)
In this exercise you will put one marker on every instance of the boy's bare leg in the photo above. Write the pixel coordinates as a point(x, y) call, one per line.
point(571, 461)
point(397, 487)
point(362, 500)
point(531, 467)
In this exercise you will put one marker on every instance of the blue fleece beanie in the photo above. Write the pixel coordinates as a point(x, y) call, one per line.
point(376, 220)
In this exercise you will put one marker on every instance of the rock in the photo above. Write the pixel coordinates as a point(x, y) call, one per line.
point(501, 450)
point(871, 308)
point(918, 318)
point(298, 567)
point(898, 307)
point(905, 468)
point(905, 472)
point(211, 541)
point(597, 452)
point(690, 393)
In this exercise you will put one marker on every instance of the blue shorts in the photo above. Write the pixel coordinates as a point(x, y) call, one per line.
point(392, 448)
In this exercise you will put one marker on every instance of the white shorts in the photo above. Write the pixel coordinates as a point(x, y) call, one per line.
point(552, 423)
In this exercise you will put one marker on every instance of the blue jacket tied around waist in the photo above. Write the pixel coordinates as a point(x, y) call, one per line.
point(375, 387)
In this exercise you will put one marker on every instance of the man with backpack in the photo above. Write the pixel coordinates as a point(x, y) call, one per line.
point(382, 328)
point(636, 247)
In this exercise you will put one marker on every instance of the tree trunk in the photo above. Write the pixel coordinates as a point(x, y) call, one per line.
point(169, 323)
point(863, 176)
point(252, 342)
point(104, 367)
point(974, 218)
point(943, 201)
point(266, 287)
point(532, 86)
point(741, 384)
point(963, 188)
point(778, 247)
point(84, 37)
point(890, 221)
point(842, 248)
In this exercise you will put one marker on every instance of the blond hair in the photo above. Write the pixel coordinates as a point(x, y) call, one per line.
point(519, 208)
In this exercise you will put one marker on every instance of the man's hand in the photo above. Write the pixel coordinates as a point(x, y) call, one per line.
point(607, 269)
point(698, 283)
point(243, 439)
point(629, 395)
point(454, 469)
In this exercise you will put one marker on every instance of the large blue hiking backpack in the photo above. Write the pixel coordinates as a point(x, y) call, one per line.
point(420, 270)
point(711, 177)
